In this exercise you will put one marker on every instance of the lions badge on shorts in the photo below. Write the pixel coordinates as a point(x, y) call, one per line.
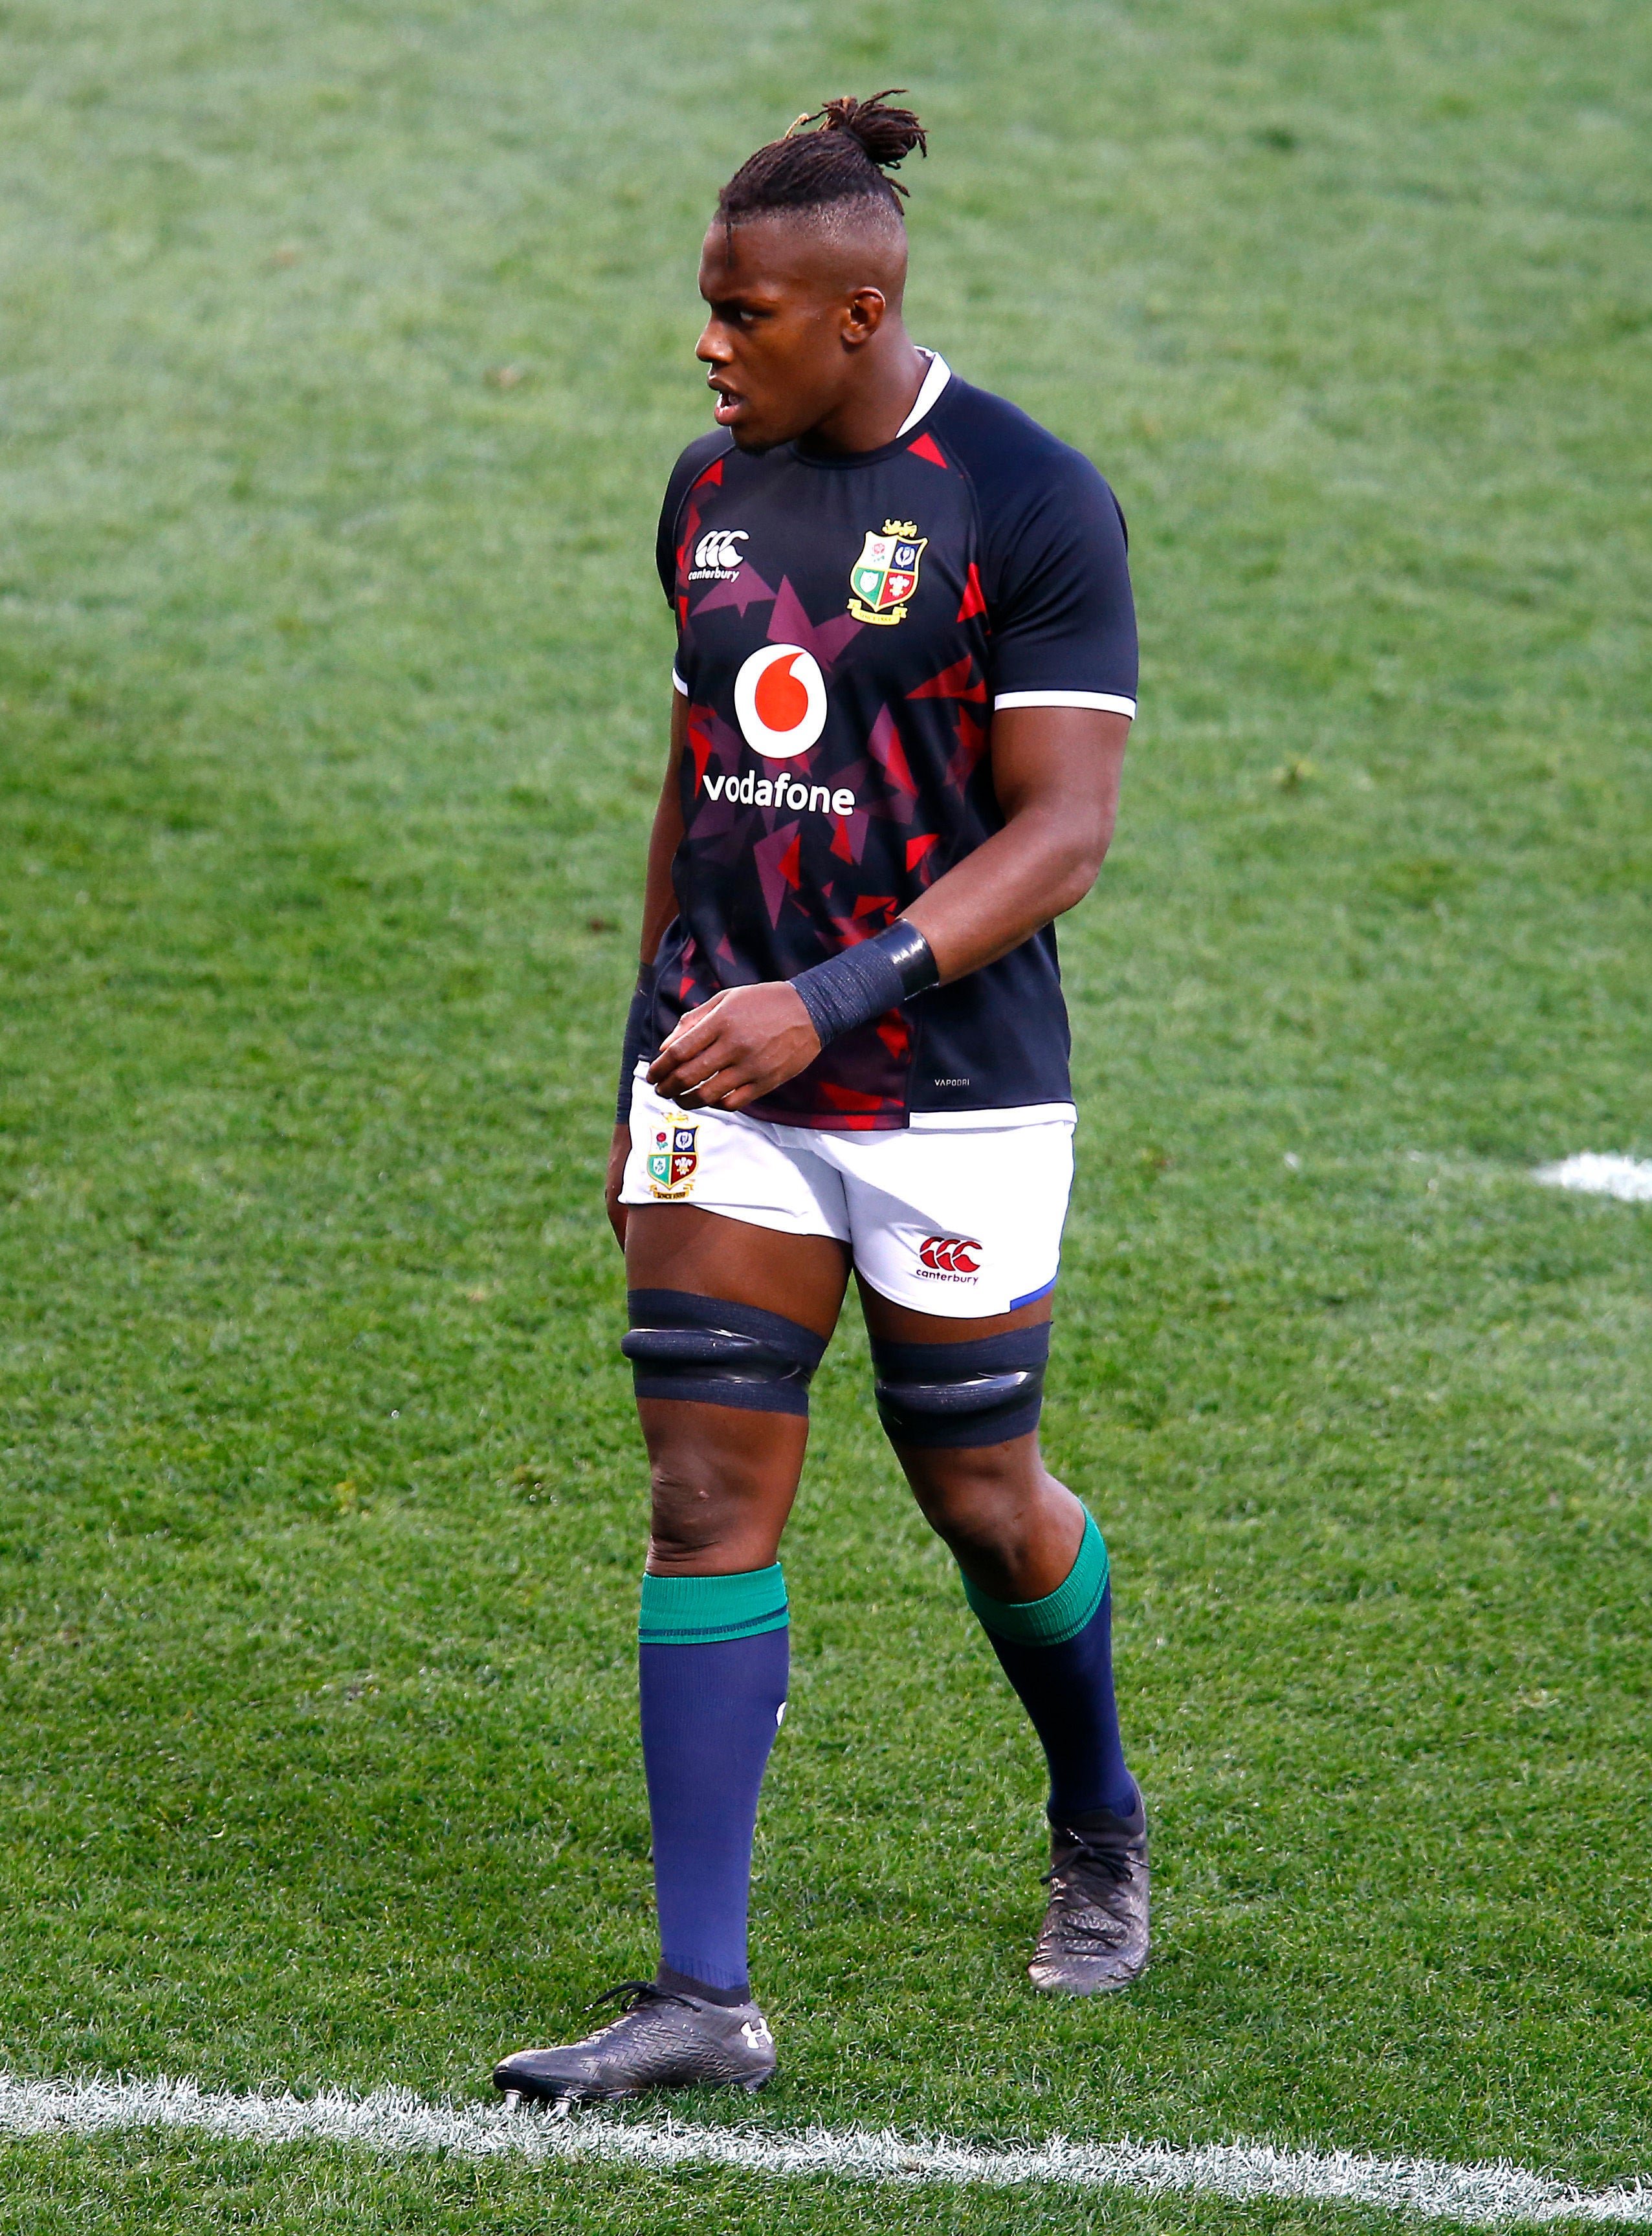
point(672, 1162)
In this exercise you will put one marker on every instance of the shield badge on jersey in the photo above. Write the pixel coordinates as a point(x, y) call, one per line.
point(673, 1158)
point(885, 574)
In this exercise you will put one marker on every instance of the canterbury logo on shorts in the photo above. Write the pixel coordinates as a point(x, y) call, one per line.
point(951, 1253)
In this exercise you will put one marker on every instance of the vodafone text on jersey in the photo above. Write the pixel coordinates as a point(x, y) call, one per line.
point(780, 703)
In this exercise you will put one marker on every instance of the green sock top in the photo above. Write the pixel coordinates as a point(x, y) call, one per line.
point(1053, 1620)
point(710, 1610)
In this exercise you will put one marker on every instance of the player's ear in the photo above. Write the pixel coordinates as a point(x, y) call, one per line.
point(863, 314)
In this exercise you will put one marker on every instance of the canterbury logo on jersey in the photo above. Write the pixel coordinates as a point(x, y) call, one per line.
point(718, 554)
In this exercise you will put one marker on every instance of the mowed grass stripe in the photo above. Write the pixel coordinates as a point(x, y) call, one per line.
point(395, 2122)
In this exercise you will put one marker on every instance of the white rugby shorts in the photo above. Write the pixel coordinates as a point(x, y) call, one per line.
point(961, 1220)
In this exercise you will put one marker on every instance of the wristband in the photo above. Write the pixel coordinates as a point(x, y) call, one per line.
point(861, 982)
point(639, 1031)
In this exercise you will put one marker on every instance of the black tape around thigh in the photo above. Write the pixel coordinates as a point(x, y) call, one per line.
point(942, 1396)
point(717, 1353)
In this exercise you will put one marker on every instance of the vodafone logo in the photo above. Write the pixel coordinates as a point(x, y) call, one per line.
point(951, 1253)
point(780, 701)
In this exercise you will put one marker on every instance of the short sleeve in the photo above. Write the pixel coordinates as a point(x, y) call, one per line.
point(1058, 595)
point(687, 471)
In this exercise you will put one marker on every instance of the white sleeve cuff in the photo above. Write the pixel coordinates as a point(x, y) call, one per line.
point(1104, 702)
point(677, 683)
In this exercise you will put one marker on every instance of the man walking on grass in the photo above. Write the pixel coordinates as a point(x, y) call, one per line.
point(906, 674)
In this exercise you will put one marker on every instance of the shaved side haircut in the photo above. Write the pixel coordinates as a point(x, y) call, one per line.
point(841, 167)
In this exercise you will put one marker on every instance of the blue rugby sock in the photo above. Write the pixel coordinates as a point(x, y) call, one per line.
point(713, 1658)
point(1057, 1653)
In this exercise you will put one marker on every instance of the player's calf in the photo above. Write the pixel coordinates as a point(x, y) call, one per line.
point(723, 1391)
point(954, 1410)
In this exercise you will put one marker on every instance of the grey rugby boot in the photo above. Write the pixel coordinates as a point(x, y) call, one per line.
point(1095, 1933)
point(661, 2040)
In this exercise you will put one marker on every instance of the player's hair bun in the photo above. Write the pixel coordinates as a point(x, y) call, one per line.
point(887, 135)
point(846, 157)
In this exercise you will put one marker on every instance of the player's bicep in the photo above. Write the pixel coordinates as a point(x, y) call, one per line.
point(1064, 765)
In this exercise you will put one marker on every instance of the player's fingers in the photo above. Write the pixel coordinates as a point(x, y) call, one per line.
point(738, 1097)
point(699, 1016)
point(685, 1070)
point(689, 1038)
point(741, 1080)
point(708, 1096)
point(682, 1047)
point(678, 1067)
point(736, 1081)
point(695, 1057)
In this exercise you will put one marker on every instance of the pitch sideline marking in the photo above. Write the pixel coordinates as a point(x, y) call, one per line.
point(1593, 1173)
point(393, 2123)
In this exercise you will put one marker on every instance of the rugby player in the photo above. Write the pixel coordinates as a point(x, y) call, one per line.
point(905, 673)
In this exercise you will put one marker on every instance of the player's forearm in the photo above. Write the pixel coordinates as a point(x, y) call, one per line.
point(1034, 869)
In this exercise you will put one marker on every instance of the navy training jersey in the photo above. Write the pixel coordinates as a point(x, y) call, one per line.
point(845, 626)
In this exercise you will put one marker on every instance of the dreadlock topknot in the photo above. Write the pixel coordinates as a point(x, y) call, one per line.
point(846, 159)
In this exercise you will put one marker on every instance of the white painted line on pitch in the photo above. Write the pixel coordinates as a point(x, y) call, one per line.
point(395, 2123)
point(1629, 1179)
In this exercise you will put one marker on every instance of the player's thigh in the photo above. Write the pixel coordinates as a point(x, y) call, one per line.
point(959, 1400)
point(957, 1238)
point(723, 1476)
point(736, 1264)
point(682, 1266)
point(946, 1474)
point(677, 1246)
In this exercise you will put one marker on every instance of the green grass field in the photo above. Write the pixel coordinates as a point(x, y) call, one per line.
point(343, 351)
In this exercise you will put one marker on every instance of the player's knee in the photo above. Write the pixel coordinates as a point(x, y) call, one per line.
point(989, 1500)
point(690, 1511)
point(702, 1348)
point(705, 1494)
point(939, 1397)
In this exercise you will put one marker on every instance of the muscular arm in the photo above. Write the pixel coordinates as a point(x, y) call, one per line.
point(659, 906)
point(1057, 773)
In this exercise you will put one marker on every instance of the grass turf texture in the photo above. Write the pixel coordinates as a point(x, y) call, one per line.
point(345, 350)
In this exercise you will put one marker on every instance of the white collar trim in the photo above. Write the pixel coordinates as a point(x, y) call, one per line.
point(934, 380)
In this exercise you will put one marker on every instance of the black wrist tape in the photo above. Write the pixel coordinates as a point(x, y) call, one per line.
point(639, 1037)
point(853, 988)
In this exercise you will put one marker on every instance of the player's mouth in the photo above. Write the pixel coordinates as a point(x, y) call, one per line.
point(727, 407)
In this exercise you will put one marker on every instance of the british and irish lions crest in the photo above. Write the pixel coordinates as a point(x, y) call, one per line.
point(885, 574)
point(672, 1160)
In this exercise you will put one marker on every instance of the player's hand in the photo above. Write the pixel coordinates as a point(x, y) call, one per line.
point(742, 1043)
point(619, 1150)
